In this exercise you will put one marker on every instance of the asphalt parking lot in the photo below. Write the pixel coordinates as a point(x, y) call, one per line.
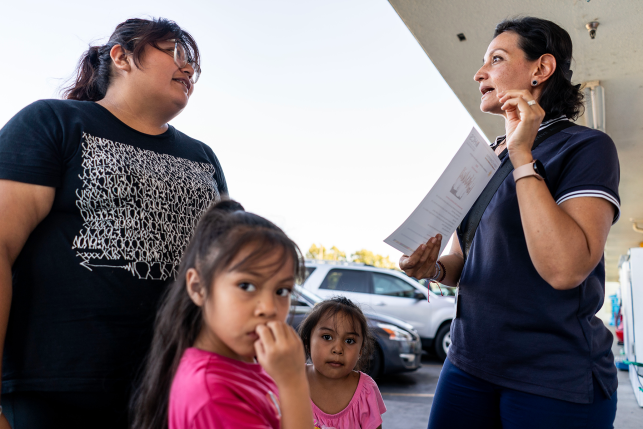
point(409, 396)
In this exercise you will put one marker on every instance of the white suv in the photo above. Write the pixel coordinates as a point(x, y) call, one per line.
point(388, 292)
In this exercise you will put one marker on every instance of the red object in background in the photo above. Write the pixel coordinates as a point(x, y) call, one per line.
point(619, 327)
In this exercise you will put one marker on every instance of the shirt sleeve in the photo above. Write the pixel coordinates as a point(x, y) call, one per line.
point(218, 172)
point(590, 168)
point(31, 146)
point(371, 405)
point(228, 414)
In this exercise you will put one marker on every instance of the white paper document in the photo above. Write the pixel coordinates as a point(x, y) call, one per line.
point(450, 199)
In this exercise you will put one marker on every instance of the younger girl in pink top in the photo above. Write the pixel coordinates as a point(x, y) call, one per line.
point(228, 307)
point(338, 342)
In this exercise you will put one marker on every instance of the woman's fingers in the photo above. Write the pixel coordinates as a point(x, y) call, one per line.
point(519, 99)
point(515, 93)
point(423, 258)
point(526, 112)
point(434, 254)
point(408, 262)
point(523, 121)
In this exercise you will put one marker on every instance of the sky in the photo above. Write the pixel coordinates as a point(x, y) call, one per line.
point(327, 116)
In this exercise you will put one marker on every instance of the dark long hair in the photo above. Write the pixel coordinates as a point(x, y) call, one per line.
point(94, 71)
point(223, 230)
point(536, 38)
point(331, 308)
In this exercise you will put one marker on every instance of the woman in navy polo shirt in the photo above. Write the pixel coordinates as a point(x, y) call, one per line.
point(527, 349)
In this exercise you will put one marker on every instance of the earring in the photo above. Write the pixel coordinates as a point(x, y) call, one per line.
point(534, 82)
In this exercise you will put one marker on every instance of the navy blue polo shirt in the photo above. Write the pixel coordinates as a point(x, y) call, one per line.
point(515, 330)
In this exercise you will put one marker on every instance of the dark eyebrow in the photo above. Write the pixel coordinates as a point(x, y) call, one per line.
point(261, 276)
point(252, 273)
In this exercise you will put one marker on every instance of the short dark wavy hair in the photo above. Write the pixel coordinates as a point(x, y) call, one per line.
point(538, 37)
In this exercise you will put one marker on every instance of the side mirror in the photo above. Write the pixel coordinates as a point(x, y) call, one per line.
point(418, 295)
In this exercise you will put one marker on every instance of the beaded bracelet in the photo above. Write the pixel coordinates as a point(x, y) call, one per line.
point(438, 272)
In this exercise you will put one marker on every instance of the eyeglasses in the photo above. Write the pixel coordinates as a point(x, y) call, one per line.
point(181, 58)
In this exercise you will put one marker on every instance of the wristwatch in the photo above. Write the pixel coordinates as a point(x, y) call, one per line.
point(534, 168)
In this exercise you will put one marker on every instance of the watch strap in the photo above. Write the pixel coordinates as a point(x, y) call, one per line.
point(467, 228)
point(526, 170)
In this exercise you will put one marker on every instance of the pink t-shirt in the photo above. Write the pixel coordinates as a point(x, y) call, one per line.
point(363, 411)
point(212, 391)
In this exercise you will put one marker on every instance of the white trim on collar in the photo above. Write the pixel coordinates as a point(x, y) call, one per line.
point(544, 125)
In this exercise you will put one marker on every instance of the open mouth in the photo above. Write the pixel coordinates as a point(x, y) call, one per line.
point(185, 83)
point(486, 90)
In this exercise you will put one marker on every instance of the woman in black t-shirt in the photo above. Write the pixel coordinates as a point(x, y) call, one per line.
point(527, 349)
point(99, 196)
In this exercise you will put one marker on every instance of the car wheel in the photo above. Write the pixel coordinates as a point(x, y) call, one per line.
point(442, 342)
point(376, 362)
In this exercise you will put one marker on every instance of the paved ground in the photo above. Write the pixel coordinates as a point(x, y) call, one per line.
point(409, 396)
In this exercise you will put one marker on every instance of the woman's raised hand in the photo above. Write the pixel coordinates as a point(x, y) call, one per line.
point(523, 121)
point(421, 263)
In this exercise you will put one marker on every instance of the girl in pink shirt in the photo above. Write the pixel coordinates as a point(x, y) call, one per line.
point(228, 306)
point(338, 342)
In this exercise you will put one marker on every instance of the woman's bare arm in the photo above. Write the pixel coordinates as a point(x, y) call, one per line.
point(565, 242)
point(22, 208)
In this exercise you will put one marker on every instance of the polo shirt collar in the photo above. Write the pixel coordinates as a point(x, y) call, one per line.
point(544, 125)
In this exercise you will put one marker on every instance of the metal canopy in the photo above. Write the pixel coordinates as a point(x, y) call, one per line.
point(615, 57)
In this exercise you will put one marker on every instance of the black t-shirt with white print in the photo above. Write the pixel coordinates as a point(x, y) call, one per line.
point(87, 282)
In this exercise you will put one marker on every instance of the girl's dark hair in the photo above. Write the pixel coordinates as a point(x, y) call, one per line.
point(94, 71)
point(222, 232)
point(331, 308)
point(538, 37)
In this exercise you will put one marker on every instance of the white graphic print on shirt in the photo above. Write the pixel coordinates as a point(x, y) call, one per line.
point(139, 207)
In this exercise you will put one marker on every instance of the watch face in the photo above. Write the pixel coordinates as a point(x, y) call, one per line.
point(539, 168)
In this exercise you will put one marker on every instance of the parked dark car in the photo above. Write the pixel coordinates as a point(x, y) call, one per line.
point(397, 345)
